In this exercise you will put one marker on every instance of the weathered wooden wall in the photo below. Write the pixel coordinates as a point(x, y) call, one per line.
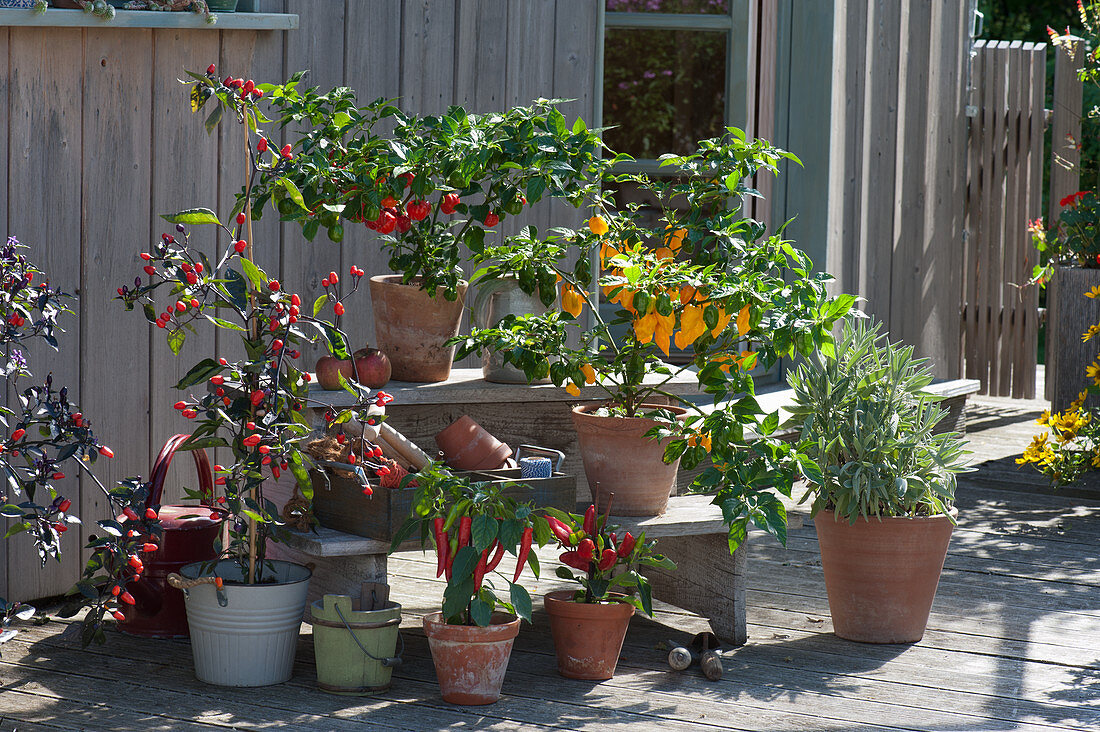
point(96, 140)
point(870, 96)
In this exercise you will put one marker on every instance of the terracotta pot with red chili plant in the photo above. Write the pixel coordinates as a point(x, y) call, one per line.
point(590, 624)
point(473, 527)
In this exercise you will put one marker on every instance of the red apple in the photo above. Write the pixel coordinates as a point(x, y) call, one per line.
point(373, 367)
point(328, 368)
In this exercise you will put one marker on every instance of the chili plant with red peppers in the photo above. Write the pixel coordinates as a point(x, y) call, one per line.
point(483, 540)
point(434, 184)
point(604, 559)
point(51, 439)
point(252, 405)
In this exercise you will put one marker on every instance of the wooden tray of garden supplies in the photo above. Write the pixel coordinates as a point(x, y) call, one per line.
point(340, 504)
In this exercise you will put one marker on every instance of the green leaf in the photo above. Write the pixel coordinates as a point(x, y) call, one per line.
point(465, 561)
point(319, 303)
point(295, 194)
point(258, 279)
point(192, 217)
point(521, 601)
point(10, 511)
point(456, 598)
point(770, 423)
point(483, 531)
point(200, 372)
point(481, 612)
point(236, 289)
point(16, 528)
point(564, 573)
point(645, 595)
point(176, 337)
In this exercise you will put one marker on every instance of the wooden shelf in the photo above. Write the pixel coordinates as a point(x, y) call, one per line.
point(466, 386)
point(59, 18)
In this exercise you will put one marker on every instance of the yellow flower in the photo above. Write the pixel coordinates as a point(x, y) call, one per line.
point(1094, 292)
point(1090, 333)
point(1096, 460)
point(1044, 418)
point(1079, 401)
point(597, 225)
point(1093, 372)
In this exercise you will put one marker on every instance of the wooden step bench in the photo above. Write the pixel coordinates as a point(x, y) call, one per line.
point(708, 580)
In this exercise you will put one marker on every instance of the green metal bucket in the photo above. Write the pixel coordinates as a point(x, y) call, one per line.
point(354, 649)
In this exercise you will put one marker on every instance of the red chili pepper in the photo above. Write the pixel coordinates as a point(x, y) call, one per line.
point(464, 524)
point(627, 546)
point(495, 559)
point(586, 549)
point(441, 546)
point(479, 570)
point(524, 550)
point(589, 524)
point(607, 560)
point(561, 531)
point(574, 560)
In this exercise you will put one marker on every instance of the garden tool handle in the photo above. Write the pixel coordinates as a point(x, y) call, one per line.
point(394, 660)
point(184, 584)
point(164, 460)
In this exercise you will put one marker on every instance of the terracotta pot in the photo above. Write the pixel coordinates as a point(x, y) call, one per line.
point(619, 459)
point(470, 661)
point(881, 576)
point(410, 327)
point(467, 446)
point(588, 637)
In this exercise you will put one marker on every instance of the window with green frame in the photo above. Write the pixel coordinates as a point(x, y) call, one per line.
point(670, 73)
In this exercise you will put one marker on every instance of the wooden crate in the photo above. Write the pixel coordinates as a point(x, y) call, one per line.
point(341, 505)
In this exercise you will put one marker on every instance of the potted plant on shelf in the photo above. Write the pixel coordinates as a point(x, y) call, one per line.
point(48, 436)
point(696, 274)
point(251, 406)
point(589, 625)
point(882, 482)
point(472, 526)
point(437, 184)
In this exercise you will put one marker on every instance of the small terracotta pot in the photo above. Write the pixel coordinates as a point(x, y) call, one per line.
point(619, 459)
point(881, 575)
point(410, 328)
point(467, 446)
point(470, 661)
point(588, 637)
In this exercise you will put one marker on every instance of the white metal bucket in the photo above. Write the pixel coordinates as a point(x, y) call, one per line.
point(252, 640)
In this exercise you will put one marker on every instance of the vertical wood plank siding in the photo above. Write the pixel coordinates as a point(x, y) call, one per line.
point(1004, 191)
point(98, 141)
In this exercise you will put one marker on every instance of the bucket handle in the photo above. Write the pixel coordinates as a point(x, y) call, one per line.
point(160, 471)
point(388, 661)
point(182, 583)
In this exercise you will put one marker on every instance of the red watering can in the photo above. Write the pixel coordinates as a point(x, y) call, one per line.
point(189, 535)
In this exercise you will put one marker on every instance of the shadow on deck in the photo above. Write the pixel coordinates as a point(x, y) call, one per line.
point(1013, 643)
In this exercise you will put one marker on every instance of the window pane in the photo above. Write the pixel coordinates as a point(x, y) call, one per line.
point(663, 90)
point(717, 7)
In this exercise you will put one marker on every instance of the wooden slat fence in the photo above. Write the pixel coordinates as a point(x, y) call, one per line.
point(1004, 192)
point(96, 140)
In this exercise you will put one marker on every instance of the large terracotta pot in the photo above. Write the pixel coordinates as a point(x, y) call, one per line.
point(410, 328)
point(619, 459)
point(881, 575)
point(470, 661)
point(588, 637)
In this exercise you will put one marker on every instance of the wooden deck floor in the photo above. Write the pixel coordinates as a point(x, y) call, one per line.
point(1013, 643)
